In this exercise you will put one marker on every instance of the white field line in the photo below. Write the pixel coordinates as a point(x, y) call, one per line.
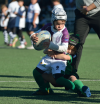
point(16, 81)
point(34, 81)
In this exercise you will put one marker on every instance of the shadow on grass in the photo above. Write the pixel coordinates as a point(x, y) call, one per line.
point(69, 97)
point(16, 87)
point(31, 77)
point(12, 76)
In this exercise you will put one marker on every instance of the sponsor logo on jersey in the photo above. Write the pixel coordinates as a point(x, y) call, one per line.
point(57, 39)
point(67, 36)
point(66, 40)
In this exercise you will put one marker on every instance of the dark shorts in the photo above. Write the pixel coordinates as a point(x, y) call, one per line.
point(68, 75)
point(83, 24)
point(11, 23)
point(29, 27)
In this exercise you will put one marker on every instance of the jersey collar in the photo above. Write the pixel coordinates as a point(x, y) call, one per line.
point(54, 30)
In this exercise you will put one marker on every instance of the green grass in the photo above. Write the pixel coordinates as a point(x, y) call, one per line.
point(16, 78)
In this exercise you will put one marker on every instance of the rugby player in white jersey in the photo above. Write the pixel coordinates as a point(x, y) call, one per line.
point(32, 18)
point(13, 7)
point(59, 43)
point(20, 23)
point(57, 4)
point(4, 23)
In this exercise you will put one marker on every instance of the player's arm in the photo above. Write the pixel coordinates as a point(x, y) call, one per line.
point(49, 52)
point(7, 16)
point(34, 19)
point(23, 12)
point(60, 48)
point(8, 12)
point(62, 56)
point(17, 14)
point(33, 36)
point(64, 45)
point(92, 6)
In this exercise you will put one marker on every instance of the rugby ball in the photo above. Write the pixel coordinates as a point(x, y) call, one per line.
point(43, 36)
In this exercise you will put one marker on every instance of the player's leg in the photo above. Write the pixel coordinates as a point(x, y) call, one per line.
point(30, 30)
point(80, 89)
point(19, 33)
point(12, 31)
point(25, 43)
point(37, 73)
point(5, 36)
point(49, 78)
point(15, 39)
point(82, 28)
point(58, 69)
point(11, 36)
point(95, 23)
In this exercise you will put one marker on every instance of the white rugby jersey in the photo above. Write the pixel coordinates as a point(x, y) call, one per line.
point(13, 7)
point(5, 23)
point(20, 22)
point(33, 8)
point(59, 39)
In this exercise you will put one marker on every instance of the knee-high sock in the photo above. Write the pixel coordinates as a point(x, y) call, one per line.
point(11, 40)
point(78, 85)
point(21, 41)
point(5, 36)
point(12, 35)
point(66, 83)
point(40, 81)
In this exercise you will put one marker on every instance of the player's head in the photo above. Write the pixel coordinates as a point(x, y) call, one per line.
point(74, 42)
point(3, 8)
point(21, 2)
point(58, 18)
point(33, 1)
point(55, 2)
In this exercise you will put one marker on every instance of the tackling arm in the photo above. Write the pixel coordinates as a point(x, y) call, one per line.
point(63, 57)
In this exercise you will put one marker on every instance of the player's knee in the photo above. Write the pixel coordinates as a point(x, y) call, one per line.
point(72, 78)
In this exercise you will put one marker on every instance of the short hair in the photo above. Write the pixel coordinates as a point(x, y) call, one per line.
point(55, 0)
point(3, 6)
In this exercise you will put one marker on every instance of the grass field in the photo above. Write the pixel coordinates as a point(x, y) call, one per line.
point(17, 83)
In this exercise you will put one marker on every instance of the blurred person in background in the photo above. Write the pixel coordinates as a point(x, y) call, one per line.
point(4, 23)
point(87, 16)
point(32, 19)
point(20, 23)
point(13, 7)
point(56, 4)
point(72, 3)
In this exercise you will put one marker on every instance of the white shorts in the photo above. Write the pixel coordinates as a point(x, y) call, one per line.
point(50, 65)
point(5, 23)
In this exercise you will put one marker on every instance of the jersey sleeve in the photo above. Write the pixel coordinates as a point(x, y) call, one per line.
point(64, 43)
point(97, 3)
point(23, 11)
point(37, 9)
point(9, 8)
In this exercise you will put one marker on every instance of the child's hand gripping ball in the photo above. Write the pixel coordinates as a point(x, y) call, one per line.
point(43, 37)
